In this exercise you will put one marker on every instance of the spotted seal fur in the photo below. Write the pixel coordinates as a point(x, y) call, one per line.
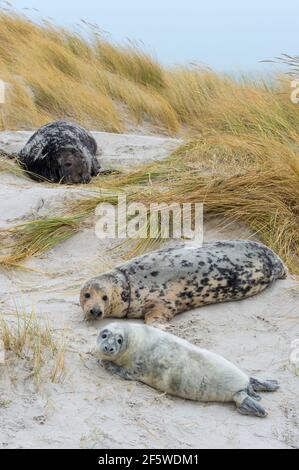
point(61, 152)
point(159, 285)
point(175, 366)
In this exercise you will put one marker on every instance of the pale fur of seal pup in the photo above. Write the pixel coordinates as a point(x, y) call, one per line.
point(61, 152)
point(177, 367)
point(159, 285)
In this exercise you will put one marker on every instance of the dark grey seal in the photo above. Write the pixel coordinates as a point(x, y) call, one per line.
point(61, 152)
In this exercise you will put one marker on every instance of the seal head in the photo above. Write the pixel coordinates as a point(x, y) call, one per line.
point(105, 296)
point(73, 165)
point(112, 343)
point(61, 152)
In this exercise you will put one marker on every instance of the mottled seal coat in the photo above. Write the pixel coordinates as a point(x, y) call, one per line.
point(159, 285)
point(174, 366)
point(61, 152)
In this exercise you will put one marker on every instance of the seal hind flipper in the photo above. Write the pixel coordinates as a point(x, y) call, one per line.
point(264, 385)
point(251, 392)
point(248, 406)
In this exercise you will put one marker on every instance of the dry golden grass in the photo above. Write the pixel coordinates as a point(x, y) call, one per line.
point(241, 159)
point(132, 63)
point(247, 181)
point(53, 73)
point(7, 164)
point(31, 340)
point(255, 181)
point(227, 153)
point(209, 102)
point(265, 198)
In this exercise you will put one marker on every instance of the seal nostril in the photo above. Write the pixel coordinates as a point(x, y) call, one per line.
point(111, 350)
point(94, 312)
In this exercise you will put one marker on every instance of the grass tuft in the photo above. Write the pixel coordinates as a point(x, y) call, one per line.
point(32, 341)
point(37, 236)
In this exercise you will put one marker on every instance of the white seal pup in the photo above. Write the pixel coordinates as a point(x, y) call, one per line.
point(159, 285)
point(175, 366)
point(61, 152)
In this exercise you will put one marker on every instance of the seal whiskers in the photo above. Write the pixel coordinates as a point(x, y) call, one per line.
point(61, 152)
point(246, 405)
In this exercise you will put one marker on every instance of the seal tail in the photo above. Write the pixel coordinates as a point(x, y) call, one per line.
point(264, 386)
point(248, 406)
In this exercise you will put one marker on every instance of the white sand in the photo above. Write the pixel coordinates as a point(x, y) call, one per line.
point(91, 408)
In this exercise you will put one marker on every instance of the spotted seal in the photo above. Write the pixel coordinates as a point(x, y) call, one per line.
point(159, 285)
point(61, 152)
point(177, 367)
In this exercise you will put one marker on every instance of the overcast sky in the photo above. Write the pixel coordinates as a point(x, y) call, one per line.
point(228, 35)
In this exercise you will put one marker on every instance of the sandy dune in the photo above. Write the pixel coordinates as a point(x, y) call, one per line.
point(91, 408)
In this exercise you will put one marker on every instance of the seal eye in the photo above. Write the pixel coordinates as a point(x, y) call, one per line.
point(120, 340)
point(104, 335)
point(87, 295)
point(105, 298)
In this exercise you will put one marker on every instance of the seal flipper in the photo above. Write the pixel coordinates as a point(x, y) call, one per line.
point(115, 369)
point(251, 392)
point(158, 314)
point(248, 406)
point(264, 386)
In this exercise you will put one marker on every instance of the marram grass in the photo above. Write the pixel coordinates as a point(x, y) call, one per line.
point(30, 340)
point(7, 164)
point(236, 180)
point(241, 157)
point(35, 237)
point(52, 73)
